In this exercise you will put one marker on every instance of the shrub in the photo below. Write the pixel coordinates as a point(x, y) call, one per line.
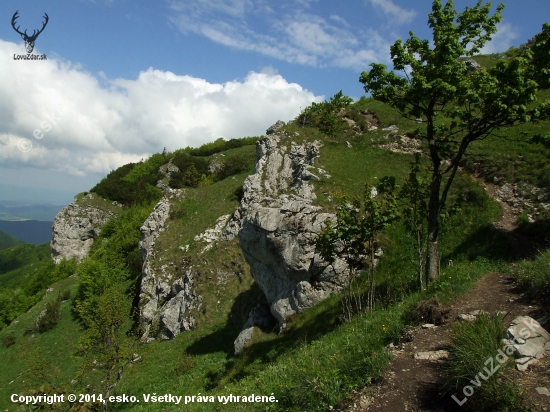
point(325, 115)
point(51, 317)
point(63, 296)
point(236, 163)
point(9, 340)
point(133, 183)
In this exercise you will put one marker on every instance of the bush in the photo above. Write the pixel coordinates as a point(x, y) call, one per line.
point(9, 340)
point(133, 183)
point(236, 163)
point(221, 145)
point(63, 296)
point(325, 115)
point(51, 317)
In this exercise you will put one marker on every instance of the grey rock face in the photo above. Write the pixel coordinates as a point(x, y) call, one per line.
point(472, 65)
point(259, 316)
point(166, 298)
point(273, 128)
point(278, 226)
point(74, 229)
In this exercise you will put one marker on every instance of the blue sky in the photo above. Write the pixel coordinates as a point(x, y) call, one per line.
point(125, 78)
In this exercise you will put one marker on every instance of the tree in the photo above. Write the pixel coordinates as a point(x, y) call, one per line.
point(354, 237)
point(540, 47)
point(106, 347)
point(457, 106)
point(414, 195)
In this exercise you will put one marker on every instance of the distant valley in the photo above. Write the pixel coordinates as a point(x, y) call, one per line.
point(36, 232)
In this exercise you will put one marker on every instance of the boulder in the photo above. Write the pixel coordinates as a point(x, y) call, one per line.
point(527, 340)
point(74, 229)
point(273, 128)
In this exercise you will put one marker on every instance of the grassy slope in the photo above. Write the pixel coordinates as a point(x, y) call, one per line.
point(19, 262)
point(7, 241)
point(37, 358)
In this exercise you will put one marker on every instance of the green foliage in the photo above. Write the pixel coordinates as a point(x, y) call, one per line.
point(105, 346)
point(324, 115)
point(7, 241)
point(114, 259)
point(51, 317)
point(9, 340)
point(236, 163)
point(221, 145)
point(133, 183)
point(414, 196)
point(358, 224)
point(473, 344)
point(27, 284)
point(540, 47)
point(534, 277)
point(457, 106)
point(141, 171)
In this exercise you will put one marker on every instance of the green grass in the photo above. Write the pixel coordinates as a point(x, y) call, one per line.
point(36, 358)
point(533, 276)
point(473, 344)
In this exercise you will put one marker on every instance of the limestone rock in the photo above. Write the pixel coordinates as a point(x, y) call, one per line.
point(432, 355)
point(273, 128)
point(278, 225)
point(213, 235)
point(528, 341)
point(259, 316)
point(166, 298)
point(472, 65)
point(74, 229)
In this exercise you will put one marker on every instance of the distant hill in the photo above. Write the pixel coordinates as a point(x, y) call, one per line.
point(7, 240)
point(29, 231)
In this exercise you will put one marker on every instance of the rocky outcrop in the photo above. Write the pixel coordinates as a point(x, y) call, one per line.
point(74, 229)
point(278, 225)
point(527, 341)
point(524, 198)
point(167, 292)
point(273, 128)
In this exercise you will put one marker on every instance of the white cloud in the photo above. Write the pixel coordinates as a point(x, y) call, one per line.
point(395, 13)
point(298, 37)
point(75, 126)
point(502, 39)
point(339, 19)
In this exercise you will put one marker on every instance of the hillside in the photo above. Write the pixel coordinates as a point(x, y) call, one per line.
point(203, 264)
point(7, 240)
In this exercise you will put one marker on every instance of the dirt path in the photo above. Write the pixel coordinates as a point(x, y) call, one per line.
point(409, 384)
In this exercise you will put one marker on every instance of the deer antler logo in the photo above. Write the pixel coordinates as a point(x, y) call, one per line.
point(29, 40)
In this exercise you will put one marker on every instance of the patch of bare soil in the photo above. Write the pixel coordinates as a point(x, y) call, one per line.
point(410, 384)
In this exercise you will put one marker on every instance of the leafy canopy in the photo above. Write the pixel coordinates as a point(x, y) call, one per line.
point(436, 81)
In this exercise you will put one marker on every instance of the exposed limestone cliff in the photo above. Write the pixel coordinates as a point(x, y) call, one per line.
point(76, 226)
point(278, 225)
point(167, 296)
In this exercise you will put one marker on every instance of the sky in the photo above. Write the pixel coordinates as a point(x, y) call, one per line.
point(124, 79)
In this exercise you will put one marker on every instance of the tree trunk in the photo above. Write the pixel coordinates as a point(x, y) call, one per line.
point(432, 258)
